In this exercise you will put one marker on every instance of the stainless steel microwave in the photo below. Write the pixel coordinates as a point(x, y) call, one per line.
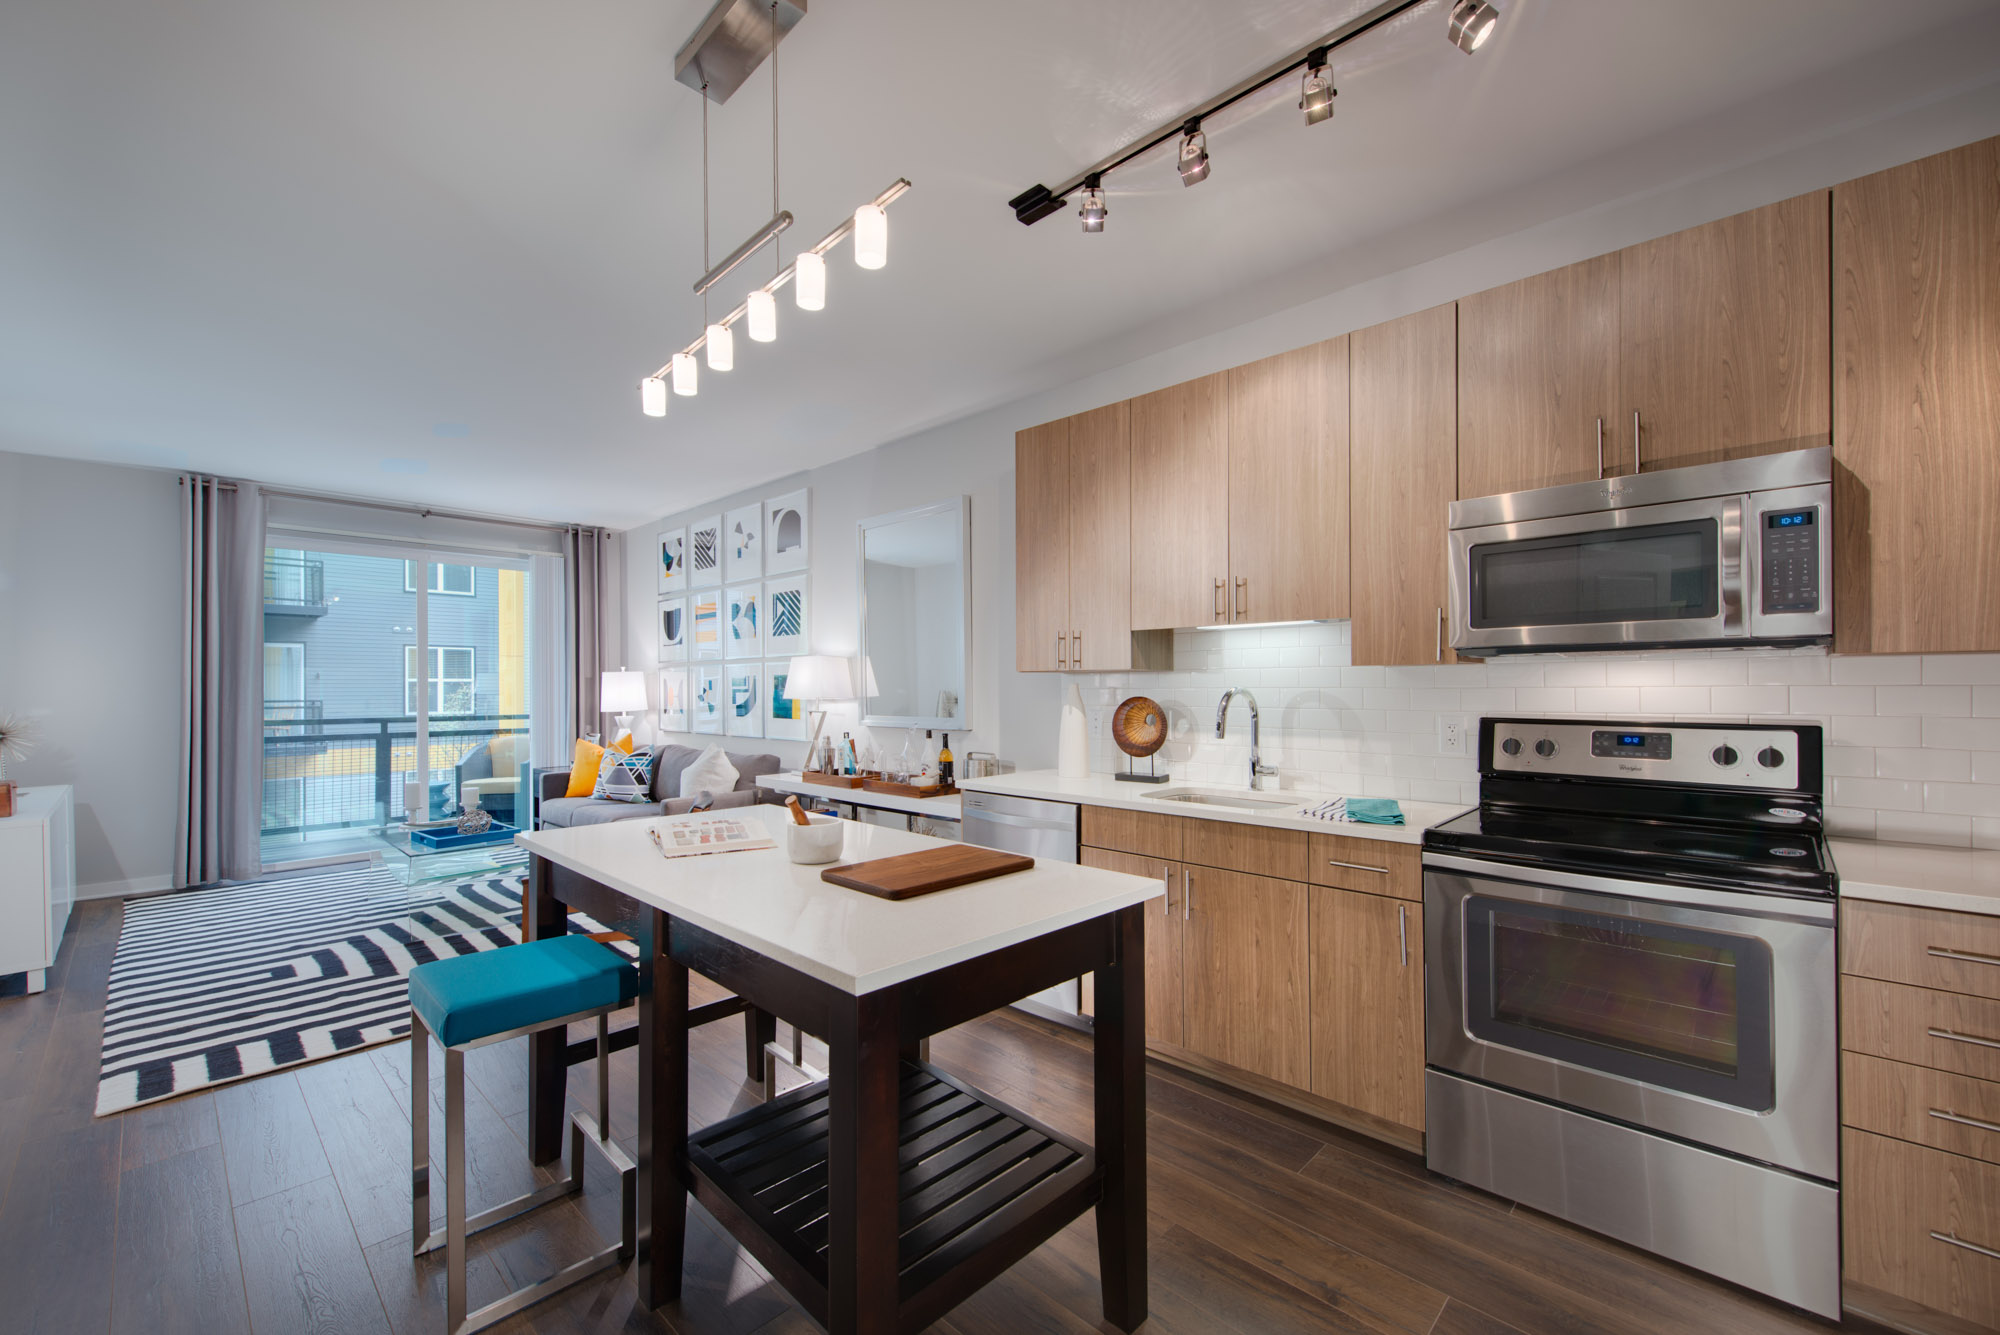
point(1729, 554)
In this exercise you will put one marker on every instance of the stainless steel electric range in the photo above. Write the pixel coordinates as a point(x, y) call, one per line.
point(1630, 993)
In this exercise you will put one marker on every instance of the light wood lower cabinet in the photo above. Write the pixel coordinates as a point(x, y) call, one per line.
point(1951, 1112)
point(1942, 1030)
point(1164, 936)
point(1367, 955)
point(1922, 1224)
point(1898, 943)
point(1244, 960)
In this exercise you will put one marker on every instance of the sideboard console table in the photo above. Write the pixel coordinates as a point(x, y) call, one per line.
point(37, 880)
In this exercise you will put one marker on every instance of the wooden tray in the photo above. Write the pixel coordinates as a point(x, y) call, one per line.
point(908, 789)
point(913, 874)
point(831, 780)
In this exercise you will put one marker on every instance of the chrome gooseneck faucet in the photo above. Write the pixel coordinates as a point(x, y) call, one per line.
point(1257, 768)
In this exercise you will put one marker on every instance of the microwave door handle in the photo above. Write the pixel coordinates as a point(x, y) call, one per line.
point(1732, 584)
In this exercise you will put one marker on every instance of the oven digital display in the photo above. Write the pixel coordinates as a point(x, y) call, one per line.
point(1789, 519)
point(1632, 745)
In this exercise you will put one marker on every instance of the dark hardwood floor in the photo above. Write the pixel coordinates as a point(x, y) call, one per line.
point(281, 1205)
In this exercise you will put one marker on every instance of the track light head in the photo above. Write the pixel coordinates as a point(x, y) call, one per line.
point(1034, 204)
point(1194, 154)
point(1092, 211)
point(653, 396)
point(1472, 22)
point(1316, 90)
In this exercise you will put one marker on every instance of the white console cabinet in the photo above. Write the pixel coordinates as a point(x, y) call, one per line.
point(37, 880)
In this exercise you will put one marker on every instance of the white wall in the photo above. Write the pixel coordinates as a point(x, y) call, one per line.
point(1897, 782)
point(90, 599)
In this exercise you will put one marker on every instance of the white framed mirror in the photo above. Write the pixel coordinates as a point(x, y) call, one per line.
point(916, 616)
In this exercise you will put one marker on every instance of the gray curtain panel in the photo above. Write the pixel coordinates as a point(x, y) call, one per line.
point(583, 569)
point(222, 682)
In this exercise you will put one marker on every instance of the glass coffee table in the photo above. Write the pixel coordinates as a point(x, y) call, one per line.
point(417, 863)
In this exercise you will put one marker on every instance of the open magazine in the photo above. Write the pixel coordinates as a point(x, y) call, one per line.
point(690, 836)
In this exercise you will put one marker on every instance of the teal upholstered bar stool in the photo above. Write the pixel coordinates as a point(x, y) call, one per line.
point(488, 997)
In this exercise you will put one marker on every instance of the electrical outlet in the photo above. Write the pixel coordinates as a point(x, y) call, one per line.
point(1451, 734)
point(1097, 724)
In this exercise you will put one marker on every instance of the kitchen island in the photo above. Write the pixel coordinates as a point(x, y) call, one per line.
point(864, 1242)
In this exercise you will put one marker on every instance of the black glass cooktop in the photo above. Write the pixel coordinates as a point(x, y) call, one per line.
point(1762, 858)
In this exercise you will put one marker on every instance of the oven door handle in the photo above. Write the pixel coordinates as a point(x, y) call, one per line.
point(1731, 583)
point(1746, 904)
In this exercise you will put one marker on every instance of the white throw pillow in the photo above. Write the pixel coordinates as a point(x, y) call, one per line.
point(712, 771)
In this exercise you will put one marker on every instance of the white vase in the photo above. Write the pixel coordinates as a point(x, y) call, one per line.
point(1073, 741)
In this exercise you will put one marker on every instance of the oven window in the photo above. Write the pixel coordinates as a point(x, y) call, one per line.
point(1661, 572)
point(1673, 1006)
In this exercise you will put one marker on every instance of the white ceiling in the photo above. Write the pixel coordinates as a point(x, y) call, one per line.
point(425, 250)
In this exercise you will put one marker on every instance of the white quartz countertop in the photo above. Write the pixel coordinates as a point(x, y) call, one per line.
point(939, 808)
point(1966, 880)
point(855, 941)
point(1101, 790)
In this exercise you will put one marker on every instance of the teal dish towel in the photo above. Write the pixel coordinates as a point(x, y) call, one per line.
point(1374, 810)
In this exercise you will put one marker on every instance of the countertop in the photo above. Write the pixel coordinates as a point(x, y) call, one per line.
point(1101, 790)
point(762, 900)
point(1966, 880)
point(939, 808)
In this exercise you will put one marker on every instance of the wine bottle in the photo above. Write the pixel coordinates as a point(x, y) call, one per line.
point(944, 762)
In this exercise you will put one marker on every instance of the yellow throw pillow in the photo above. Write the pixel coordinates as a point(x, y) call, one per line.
point(624, 742)
point(583, 771)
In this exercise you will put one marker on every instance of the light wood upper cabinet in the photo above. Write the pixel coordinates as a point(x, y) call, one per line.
point(1042, 496)
point(1245, 996)
point(1164, 936)
point(1100, 540)
point(1538, 382)
point(1404, 478)
point(1916, 325)
point(1180, 504)
point(1724, 344)
point(1368, 1004)
point(1288, 516)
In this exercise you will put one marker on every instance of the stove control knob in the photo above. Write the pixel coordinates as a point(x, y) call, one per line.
point(1512, 746)
point(1545, 748)
point(1724, 756)
point(1770, 757)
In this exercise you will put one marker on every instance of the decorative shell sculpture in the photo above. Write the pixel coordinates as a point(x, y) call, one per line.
point(17, 738)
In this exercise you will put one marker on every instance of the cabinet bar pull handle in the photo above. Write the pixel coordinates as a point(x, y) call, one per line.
point(1221, 610)
point(1946, 1115)
point(1635, 440)
point(1241, 592)
point(1961, 1242)
point(1187, 894)
point(1061, 640)
point(1403, 932)
point(1167, 904)
point(1076, 648)
point(1935, 1032)
point(1440, 648)
point(1357, 866)
point(1967, 956)
point(1600, 448)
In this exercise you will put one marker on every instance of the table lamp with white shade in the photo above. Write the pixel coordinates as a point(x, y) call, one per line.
point(818, 678)
point(624, 694)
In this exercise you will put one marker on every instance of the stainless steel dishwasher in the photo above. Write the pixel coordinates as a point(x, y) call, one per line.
point(1047, 832)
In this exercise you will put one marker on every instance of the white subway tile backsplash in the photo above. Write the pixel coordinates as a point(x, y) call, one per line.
point(1746, 700)
point(1788, 670)
point(1719, 671)
point(1871, 731)
point(1877, 671)
point(1856, 761)
point(1960, 669)
point(1581, 672)
point(1962, 734)
point(1962, 799)
point(1916, 762)
point(1986, 701)
point(1985, 832)
point(1955, 701)
point(1607, 700)
point(1674, 699)
point(1913, 827)
point(1647, 671)
point(1833, 699)
point(1882, 794)
point(1850, 822)
point(1545, 699)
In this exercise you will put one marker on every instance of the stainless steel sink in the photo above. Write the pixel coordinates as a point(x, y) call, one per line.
point(1220, 800)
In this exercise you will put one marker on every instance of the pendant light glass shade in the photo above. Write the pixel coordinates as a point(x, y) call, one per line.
point(871, 236)
point(763, 316)
point(721, 345)
point(685, 371)
point(653, 396)
point(809, 281)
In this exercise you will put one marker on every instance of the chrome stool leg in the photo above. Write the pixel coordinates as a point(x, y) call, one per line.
point(420, 1134)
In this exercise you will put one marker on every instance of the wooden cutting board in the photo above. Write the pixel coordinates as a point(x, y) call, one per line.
point(913, 874)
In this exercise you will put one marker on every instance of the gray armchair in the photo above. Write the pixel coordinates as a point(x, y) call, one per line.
point(498, 771)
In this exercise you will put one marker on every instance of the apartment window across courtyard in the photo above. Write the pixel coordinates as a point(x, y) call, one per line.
point(451, 679)
point(455, 580)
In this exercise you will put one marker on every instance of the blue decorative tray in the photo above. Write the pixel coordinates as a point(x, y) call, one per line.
point(443, 841)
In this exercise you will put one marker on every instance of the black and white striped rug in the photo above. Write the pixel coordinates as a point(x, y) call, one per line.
point(233, 981)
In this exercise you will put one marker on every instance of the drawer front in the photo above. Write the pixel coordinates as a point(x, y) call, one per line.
point(1937, 1108)
point(1139, 832)
point(1940, 1030)
point(1372, 866)
point(1955, 952)
point(1251, 849)
point(1922, 1224)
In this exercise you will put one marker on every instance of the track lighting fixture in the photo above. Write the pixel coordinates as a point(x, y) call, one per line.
point(1092, 212)
point(653, 396)
point(809, 281)
point(1316, 90)
point(685, 374)
point(763, 311)
point(871, 236)
point(720, 340)
point(1194, 154)
point(1472, 22)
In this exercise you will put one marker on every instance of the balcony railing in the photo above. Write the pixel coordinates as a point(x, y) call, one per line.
point(294, 587)
point(327, 774)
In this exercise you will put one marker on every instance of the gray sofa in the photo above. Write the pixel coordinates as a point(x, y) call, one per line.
point(552, 808)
